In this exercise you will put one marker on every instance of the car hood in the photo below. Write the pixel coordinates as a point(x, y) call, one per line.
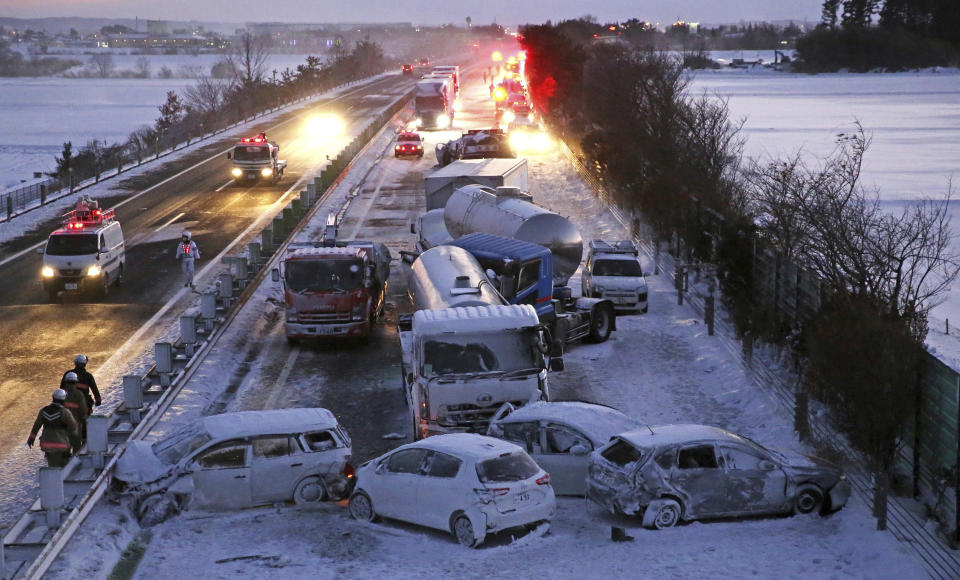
point(138, 464)
point(802, 464)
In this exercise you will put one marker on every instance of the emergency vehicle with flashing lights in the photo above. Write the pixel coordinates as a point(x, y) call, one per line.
point(408, 143)
point(86, 254)
point(256, 158)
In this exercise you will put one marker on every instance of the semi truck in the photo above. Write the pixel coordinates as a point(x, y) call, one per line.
point(333, 289)
point(256, 158)
point(465, 350)
point(433, 103)
point(510, 214)
point(490, 172)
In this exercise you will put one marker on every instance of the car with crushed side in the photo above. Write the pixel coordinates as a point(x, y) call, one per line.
point(467, 484)
point(672, 473)
point(560, 436)
point(237, 460)
point(408, 143)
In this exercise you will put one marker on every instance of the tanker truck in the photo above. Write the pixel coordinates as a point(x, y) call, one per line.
point(465, 351)
point(539, 275)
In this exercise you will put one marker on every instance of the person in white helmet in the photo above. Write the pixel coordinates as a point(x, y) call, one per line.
point(188, 254)
point(85, 381)
point(60, 431)
point(76, 403)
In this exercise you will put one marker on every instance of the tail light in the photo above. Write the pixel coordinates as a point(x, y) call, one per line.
point(545, 480)
point(486, 494)
point(349, 472)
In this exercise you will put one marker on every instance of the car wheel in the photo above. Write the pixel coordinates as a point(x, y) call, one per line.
point(155, 508)
point(105, 286)
point(809, 500)
point(463, 531)
point(309, 490)
point(361, 507)
point(668, 516)
point(601, 324)
point(119, 281)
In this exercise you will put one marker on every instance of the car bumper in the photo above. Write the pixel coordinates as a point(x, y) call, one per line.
point(497, 521)
point(602, 495)
point(626, 300)
point(840, 494)
point(328, 330)
point(72, 283)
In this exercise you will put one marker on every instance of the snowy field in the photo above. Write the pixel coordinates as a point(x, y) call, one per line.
point(37, 115)
point(661, 367)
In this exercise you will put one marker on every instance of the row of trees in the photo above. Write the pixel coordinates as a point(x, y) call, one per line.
point(888, 34)
point(13, 64)
point(212, 104)
point(676, 158)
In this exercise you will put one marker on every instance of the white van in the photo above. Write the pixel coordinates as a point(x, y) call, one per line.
point(86, 254)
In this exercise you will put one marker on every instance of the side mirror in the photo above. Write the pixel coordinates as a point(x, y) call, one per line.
point(382, 467)
point(508, 286)
point(556, 364)
point(229, 155)
point(275, 274)
point(579, 449)
point(42, 249)
point(413, 228)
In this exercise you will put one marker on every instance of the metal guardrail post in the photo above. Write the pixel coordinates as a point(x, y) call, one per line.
point(225, 286)
point(188, 332)
point(288, 219)
point(266, 241)
point(253, 255)
point(279, 230)
point(311, 192)
point(133, 397)
point(51, 494)
point(208, 309)
point(97, 426)
point(163, 355)
point(296, 205)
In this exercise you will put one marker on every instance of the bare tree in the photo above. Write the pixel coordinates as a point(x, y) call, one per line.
point(142, 67)
point(102, 64)
point(249, 58)
point(207, 95)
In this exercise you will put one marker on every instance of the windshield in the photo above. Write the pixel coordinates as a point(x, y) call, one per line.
point(323, 275)
point(175, 447)
point(431, 102)
point(72, 245)
point(617, 268)
point(481, 353)
point(507, 467)
point(258, 153)
point(414, 138)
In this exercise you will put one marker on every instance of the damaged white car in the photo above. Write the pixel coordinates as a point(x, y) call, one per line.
point(673, 473)
point(237, 460)
point(560, 436)
point(463, 483)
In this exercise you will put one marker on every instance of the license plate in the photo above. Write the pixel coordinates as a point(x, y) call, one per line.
point(522, 497)
point(70, 286)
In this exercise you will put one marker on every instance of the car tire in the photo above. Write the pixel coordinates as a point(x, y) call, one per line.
point(668, 515)
point(809, 500)
point(360, 507)
point(309, 490)
point(462, 530)
point(602, 324)
point(119, 281)
point(104, 289)
point(156, 508)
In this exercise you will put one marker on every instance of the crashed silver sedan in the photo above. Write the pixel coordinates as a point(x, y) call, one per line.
point(237, 460)
point(673, 473)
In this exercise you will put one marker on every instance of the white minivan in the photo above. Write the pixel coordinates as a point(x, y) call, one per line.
point(86, 254)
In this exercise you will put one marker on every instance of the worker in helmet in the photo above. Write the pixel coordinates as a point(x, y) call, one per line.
point(60, 431)
point(85, 381)
point(188, 254)
point(76, 403)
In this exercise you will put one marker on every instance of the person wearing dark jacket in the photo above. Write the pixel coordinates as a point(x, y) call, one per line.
point(85, 381)
point(76, 403)
point(60, 431)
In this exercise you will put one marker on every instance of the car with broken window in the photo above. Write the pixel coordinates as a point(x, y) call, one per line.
point(237, 460)
point(672, 473)
point(467, 484)
point(560, 436)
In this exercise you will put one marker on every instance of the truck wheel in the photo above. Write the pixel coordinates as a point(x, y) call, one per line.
point(105, 286)
point(119, 281)
point(601, 324)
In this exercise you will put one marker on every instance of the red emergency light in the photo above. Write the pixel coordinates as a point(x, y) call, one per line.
point(252, 140)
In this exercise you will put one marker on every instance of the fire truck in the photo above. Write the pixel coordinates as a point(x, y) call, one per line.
point(256, 158)
point(333, 289)
point(85, 254)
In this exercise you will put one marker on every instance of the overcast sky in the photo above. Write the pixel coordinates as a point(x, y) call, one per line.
point(420, 11)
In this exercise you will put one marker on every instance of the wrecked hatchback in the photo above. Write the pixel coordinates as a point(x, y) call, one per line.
point(671, 473)
point(237, 460)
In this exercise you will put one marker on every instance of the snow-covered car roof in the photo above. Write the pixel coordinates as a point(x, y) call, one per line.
point(623, 257)
point(467, 445)
point(658, 435)
point(597, 422)
point(481, 318)
point(252, 423)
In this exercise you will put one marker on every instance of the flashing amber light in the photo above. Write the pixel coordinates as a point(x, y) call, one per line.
point(496, 56)
point(499, 94)
point(612, 27)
